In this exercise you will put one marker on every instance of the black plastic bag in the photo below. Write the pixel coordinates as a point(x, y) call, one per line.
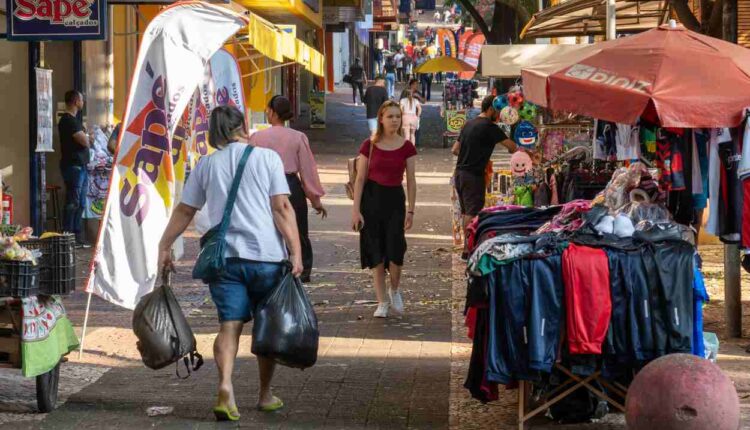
point(286, 328)
point(164, 336)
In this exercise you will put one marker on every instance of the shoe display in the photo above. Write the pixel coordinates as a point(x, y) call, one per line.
point(381, 311)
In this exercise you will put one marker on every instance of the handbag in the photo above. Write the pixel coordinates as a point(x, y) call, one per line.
point(211, 263)
point(351, 166)
point(347, 79)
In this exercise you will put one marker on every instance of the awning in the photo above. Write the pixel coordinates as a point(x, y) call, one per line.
point(588, 18)
point(279, 45)
point(506, 61)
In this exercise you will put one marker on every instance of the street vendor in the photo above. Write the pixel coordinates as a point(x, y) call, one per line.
point(474, 148)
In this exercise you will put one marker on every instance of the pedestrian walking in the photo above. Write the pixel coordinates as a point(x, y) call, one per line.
point(413, 88)
point(474, 149)
point(412, 111)
point(399, 60)
point(380, 212)
point(299, 167)
point(378, 60)
point(426, 80)
point(75, 154)
point(375, 96)
point(262, 222)
point(390, 76)
point(359, 80)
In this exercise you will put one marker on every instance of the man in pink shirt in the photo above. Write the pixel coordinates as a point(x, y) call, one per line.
point(300, 168)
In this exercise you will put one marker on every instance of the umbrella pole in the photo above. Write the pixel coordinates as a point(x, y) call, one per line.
point(611, 20)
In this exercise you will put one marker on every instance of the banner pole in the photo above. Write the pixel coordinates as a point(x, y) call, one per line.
point(85, 323)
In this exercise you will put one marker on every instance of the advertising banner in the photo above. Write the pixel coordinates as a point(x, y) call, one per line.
point(462, 43)
point(142, 192)
point(44, 116)
point(56, 19)
point(473, 50)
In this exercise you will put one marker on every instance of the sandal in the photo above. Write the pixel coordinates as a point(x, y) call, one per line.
point(224, 413)
point(275, 406)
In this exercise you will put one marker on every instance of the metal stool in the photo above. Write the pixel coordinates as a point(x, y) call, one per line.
point(55, 214)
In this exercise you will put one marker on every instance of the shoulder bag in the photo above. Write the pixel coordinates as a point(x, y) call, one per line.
point(351, 165)
point(211, 263)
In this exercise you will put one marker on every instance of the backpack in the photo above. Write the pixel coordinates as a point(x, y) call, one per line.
point(351, 167)
point(164, 336)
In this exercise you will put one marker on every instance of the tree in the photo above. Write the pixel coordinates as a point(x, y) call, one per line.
point(710, 20)
point(501, 21)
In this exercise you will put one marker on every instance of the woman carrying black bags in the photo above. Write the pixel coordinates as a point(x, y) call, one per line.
point(261, 228)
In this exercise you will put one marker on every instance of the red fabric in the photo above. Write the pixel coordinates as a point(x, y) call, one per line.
point(616, 80)
point(588, 305)
point(471, 322)
point(387, 167)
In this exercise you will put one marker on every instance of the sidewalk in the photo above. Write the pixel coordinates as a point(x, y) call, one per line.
point(387, 374)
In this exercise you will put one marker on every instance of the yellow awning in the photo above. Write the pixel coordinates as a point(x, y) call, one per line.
point(276, 44)
point(265, 38)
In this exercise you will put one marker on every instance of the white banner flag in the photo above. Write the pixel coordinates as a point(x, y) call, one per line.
point(171, 63)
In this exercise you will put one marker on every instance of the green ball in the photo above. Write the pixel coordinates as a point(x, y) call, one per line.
point(528, 111)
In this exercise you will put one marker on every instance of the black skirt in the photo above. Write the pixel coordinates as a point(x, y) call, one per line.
point(382, 239)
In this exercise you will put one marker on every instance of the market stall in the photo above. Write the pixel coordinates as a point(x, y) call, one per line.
point(35, 332)
point(458, 95)
point(567, 302)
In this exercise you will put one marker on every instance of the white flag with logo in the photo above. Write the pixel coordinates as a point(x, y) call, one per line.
point(170, 66)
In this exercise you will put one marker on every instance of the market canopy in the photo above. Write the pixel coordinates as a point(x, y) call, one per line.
point(689, 80)
point(277, 44)
point(506, 61)
point(588, 18)
point(444, 64)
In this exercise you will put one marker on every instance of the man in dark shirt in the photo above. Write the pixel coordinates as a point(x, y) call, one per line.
point(474, 149)
point(375, 96)
point(74, 149)
point(359, 80)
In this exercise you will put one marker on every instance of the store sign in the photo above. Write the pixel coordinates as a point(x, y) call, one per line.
point(56, 19)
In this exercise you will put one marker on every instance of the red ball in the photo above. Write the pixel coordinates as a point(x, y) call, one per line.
point(682, 392)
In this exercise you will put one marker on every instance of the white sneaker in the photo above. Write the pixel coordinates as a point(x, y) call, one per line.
point(381, 311)
point(396, 301)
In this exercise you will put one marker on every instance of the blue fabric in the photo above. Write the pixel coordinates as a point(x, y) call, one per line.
point(700, 200)
point(546, 311)
point(700, 295)
point(76, 184)
point(242, 286)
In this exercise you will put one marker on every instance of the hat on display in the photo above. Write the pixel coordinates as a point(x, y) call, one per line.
point(508, 115)
point(528, 111)
point(526, 135)
point(500, 102)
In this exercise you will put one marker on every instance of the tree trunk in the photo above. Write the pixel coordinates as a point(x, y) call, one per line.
point(685, 15)
point(504, 28)
point(466, 4)
point(730, 20)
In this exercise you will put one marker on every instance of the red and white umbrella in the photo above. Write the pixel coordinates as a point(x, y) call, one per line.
point(685, 78)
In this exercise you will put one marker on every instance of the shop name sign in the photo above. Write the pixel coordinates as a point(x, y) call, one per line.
point(56, 19)
point(605, 77)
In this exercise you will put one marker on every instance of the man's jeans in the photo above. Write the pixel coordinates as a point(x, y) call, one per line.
point(76, 184)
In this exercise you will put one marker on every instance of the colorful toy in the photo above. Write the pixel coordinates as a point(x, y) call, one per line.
point(526, 135)
point(520, 164)
point(508, 115)
point(515, 99)
point(528, 111)
point(500, 102)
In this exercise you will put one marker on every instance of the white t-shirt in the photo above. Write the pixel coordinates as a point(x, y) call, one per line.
point(399, 59)
point(627, 142)
point(407, 108)
point(252, 234)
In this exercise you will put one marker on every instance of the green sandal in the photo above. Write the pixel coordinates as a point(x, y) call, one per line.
point(275, 406)
point(224, 413)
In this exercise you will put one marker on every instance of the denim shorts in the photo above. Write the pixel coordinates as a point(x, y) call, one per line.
point(244, 284)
